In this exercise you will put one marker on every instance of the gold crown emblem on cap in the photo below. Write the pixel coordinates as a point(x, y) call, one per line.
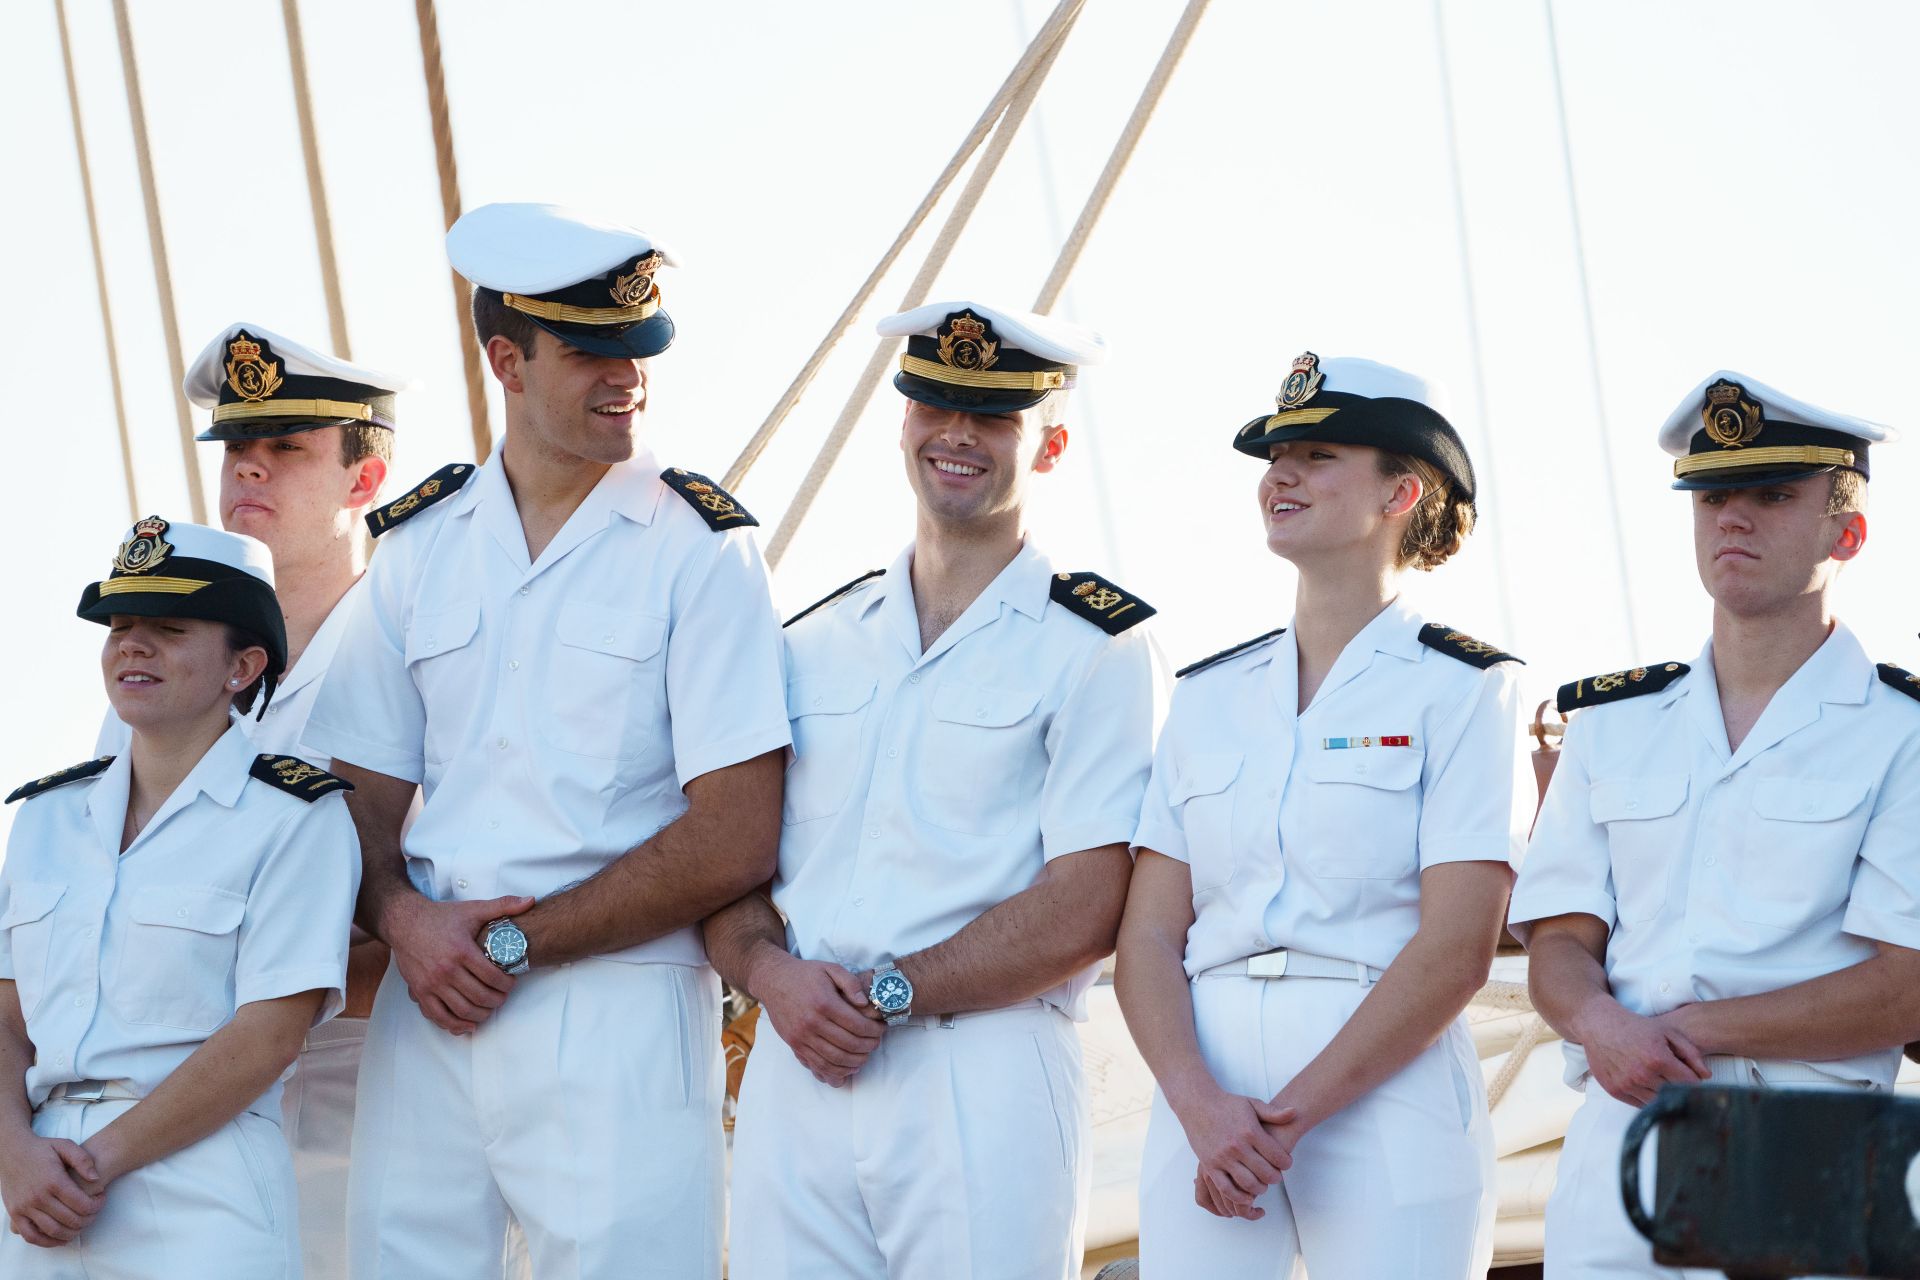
point(1731, 419)
point(1302, 383)
point(251, 377)
point(636, 286)
point(965, 344)
point(144, 551)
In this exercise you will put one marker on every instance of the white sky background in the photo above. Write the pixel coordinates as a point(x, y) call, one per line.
point(1745, 176)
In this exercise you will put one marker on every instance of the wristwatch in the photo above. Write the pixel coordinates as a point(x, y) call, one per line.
point(891, 994)
point(506, 946)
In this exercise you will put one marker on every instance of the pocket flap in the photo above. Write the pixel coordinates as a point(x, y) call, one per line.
point(1807, 799)
point(1386, 768)
point(443, 630)
point(1629, 799)
point(1203, 775)
point(201, 909)
point(827, 697)
point(983, 705)
point(29, 900)
point(624, 633)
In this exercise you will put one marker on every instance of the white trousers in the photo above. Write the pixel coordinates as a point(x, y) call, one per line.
point(317, 1115)
point(956, 1152)
point(587, 1108)
point(1398, 1186)
point(221, 1207)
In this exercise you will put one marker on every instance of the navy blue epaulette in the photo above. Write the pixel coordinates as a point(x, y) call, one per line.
point(1458, 644)
point(1900, 678)
point(296, 777)
point(1594, 691)
point(437, 487)
point(715, 505)
point(833, 595)
point(1098, 601)
point(1224, 654)
point(59, 779)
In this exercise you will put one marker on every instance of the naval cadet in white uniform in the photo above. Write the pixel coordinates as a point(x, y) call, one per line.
point(173, 920)
point(1323, 860)
point(307, 441)
point(573, 650)
point(972, 732)
point(1724, 882)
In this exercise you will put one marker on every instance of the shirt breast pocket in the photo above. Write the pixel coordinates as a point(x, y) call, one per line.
point(1362, 813)
point(1202, 795)
point(605, 682)
point(444, 664)
point(981, 763)
point(827, 718)
point(1797, 866)
point(1646, 831)
point(27, 925)
point(177, 957)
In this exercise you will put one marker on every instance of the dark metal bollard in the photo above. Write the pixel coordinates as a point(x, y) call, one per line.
point(1765, 1184)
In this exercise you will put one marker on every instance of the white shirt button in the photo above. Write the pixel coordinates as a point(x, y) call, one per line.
point(493, 824)
point(61, 1061)
point(181, 912)
point(859, 902)
point(1666, 986)
point(513, 664)
point(914, 678)
point(1710, 859)
point(892, 752)
point(525, 590)
point(502, 744)
point(433, 644)
point(79, 1002)
point(607, 638)
point(873, 833)
point(1633, 804)
point(1360, 768)
point(459, 884)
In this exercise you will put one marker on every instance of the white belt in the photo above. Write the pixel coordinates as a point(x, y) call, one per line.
point(1724, 1069)
point(948, 1019)
point(1285, 963)
point(91, 1091)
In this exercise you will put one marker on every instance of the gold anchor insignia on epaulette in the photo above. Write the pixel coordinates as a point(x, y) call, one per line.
point(293, 772)
point(710, 498)
point(1098, 597)
point(1468, 644)
point(414, 499)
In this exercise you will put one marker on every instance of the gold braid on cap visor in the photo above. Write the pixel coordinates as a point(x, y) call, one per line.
point(1778, 456)
point(157, 586)
point(294, 409)
point(1035, 380)
point(584, 315)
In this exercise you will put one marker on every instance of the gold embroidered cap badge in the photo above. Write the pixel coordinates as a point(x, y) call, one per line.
point(964, 344)
point(145, 550)
point(251, 376)
point(1301, 384)
point(1732, 419)
point(636, 286)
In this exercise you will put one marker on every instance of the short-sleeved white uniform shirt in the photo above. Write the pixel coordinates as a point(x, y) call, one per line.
point(1309, 829)
point(235, 891)
point(1732, 873)
point(928, 787)
point(554, 710)
point(280, 729)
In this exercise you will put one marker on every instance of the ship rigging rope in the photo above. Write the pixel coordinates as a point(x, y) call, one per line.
point(316, 180)
point(1512, 996)
point(162, 273)
point(99, 264)
point(436, 78)
point(1052, 33)
point(1036, 62)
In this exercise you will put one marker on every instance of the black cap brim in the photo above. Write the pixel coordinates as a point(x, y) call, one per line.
point(1747, 478)
point(274, 428)
point(1387, 423)
point(636, 341)
point(942, 395)
point(248, 603)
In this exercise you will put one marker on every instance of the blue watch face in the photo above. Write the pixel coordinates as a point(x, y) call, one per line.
point(892, 993)
point(506, 946)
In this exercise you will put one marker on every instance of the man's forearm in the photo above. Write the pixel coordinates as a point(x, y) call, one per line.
point(16, 1055)
point(1028, 944)
point(723, 847)
point(379, 804)
point(1564, 980)
point(1870, 1006)
point(737, 934)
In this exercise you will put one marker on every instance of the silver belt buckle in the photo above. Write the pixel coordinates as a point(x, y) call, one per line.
point(84, 1091)
point(1270, 964)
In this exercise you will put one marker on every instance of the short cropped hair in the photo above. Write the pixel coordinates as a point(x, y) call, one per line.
point(493, 318)
point(1847, 492)
point(365, 440)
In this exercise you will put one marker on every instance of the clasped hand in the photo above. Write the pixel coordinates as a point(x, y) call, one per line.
point(1244, 1145)
point(822, 1012)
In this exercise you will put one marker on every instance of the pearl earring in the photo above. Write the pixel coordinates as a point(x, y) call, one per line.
point(234, 683)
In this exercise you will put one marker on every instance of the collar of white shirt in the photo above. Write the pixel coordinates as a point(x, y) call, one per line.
point(1022, 585)
point(631, 489)
point(1394, 631)
point(1838, 672)
point(221, 775)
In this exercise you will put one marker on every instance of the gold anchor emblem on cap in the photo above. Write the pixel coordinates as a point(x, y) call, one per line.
point(965, 344)
point(145, 550)
point(1731, 419)
point(1302, 384)
point(636, 286)
point(250, 376)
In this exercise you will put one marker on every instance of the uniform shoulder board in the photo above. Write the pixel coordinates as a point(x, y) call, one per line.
point(442, 484)
point(1224, 654)
point(833, 595)
point(60, 779)
point(1903, 680)
point(1615, 685)
point(1458, 644)
point(1099, 601)
point(715, 505)
point(296, 777)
